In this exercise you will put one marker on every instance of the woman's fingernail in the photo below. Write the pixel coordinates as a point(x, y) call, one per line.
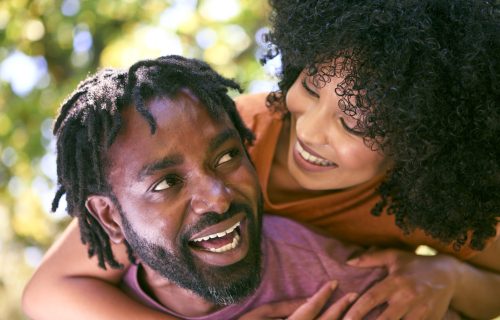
point(353, 261)
point(333, 284)
point(352, 297)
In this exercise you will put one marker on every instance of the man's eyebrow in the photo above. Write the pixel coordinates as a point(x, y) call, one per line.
point(222, 137)
point(162, 164)
point(174, 160)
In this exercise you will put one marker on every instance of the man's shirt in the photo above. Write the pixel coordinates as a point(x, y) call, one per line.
point(296, 263)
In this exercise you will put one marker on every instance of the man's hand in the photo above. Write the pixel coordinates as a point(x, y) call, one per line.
point(416, 287)
point(304, 309)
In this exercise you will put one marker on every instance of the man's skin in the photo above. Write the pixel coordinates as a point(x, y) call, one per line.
point(166, 190)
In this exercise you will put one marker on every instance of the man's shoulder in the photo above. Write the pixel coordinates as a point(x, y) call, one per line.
point(293, 235)
point(310, 259)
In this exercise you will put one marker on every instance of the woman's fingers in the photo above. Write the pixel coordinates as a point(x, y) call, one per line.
point(336, 310)
point(313, 306)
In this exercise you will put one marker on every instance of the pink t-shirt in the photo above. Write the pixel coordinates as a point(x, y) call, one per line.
point(296, 263)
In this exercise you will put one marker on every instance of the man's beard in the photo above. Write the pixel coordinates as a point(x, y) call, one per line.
point(221, 285)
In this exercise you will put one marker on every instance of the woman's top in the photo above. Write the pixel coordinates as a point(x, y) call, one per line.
point(344, 214)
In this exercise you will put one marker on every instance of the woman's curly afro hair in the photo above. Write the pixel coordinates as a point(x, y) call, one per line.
point(423, 78)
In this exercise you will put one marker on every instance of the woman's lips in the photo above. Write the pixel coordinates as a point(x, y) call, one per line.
point(309, 160)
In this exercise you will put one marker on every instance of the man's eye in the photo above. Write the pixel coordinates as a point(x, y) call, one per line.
point(166, 183)
point(228, 156)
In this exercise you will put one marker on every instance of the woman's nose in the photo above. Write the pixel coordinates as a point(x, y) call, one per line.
point(210, 195)
point(312, 126)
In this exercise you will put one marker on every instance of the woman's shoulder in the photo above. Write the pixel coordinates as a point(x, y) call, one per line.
point(251, 105)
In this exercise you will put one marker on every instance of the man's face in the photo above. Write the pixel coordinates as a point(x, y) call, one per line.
point(189, 198)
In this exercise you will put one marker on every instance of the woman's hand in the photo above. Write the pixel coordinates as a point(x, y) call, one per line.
point(416, 287)
point(304, 309)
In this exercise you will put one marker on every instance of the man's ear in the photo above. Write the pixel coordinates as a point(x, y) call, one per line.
point(105, 211)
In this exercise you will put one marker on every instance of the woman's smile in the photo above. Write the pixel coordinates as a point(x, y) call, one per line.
point(310, 160)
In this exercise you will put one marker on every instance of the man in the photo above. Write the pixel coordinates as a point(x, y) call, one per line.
point(153, 157)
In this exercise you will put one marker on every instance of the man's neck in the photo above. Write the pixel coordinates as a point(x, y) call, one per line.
point(170, 295)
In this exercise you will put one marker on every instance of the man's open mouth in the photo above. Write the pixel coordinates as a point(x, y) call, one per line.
point(219, 242)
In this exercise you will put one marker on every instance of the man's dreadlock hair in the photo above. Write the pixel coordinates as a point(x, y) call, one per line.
point(90, 120)
point(423, 78)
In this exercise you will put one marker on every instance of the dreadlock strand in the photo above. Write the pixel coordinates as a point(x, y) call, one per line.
point(141, 108)
point(65, 109)
point(55, 202)
point(81, 172)
point(102, 239)
point(115, 122)
point(85, 235)
point(130, 253)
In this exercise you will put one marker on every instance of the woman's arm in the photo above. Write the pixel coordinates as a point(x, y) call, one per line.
point(69, 285)
point(424, 287)
point(478, 288)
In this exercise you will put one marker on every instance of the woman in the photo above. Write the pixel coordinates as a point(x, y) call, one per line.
point(386, 107)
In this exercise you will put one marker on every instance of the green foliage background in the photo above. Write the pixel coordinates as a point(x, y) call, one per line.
point(222, 32)
point(121, 33)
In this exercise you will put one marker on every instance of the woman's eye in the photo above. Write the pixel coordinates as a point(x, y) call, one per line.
point(349, 126)
point(166, 183)
point(228, 157)
point(308, 89)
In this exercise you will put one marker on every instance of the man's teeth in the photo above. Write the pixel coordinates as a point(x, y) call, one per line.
point(227, 247)
point(219, 234)
point(313, 159)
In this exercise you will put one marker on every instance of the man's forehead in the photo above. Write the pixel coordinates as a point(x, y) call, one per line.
point(180, 120)
point(165, 112)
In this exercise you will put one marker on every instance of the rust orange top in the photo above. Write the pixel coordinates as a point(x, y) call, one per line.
point(344, 214)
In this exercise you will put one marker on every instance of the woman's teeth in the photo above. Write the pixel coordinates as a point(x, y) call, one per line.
point(312, 159)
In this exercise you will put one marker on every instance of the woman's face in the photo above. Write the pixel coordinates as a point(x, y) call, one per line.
point(325, 151)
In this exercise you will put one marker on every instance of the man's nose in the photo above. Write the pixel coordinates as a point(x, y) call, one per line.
point(210, 195)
